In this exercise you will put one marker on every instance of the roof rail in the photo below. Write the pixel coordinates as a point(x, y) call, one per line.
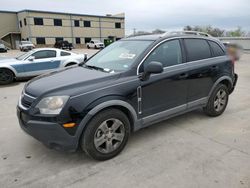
point(188, 33)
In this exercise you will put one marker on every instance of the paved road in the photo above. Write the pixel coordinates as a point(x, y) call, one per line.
point(192, 150)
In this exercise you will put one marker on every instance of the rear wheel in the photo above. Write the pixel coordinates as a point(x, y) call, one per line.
point(106, 134)
point(88, 47)
point(6, 76)
point(217, 102)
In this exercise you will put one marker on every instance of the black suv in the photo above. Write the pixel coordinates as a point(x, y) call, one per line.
point(63, 45)
point(131, 84)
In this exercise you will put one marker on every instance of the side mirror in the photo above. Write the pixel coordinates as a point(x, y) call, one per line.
point(31, 58)
point(153, 67)
point(85, 57)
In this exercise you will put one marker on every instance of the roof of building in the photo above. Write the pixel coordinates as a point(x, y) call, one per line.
point(62, 13)
point(67, 13)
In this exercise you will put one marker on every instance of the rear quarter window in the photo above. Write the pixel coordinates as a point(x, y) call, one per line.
point(197, 49)
point(65, 54)
point(216, 49)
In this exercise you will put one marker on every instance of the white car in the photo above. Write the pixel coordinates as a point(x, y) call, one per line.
point(37, 62)
point(96, 44)
point(26, 46)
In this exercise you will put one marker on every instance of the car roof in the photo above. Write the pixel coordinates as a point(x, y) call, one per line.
point(39, 49)
point(159, 37)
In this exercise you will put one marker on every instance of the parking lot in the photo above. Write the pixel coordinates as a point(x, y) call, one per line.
point(191, 150)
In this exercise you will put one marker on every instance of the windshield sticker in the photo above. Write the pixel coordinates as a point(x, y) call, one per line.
point(127, 56)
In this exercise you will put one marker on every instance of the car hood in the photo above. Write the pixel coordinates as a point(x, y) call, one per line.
point(71, 81)
point(7, 60)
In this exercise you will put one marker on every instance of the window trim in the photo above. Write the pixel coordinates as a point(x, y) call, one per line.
point(182, 64)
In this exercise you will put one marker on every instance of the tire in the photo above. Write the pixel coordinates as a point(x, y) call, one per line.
point(106, 134)
point(6, 76)
point(88, 47)
point(217, 102)
point(95, 47)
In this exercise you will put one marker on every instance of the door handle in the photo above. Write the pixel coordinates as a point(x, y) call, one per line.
point(183, 75)
point(214, 67)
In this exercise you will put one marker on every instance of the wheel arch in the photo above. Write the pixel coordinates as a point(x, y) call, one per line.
point(226, 80)
point(125, 107)
point(11, 69)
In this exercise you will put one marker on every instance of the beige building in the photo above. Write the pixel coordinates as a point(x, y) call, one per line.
point(44, 28)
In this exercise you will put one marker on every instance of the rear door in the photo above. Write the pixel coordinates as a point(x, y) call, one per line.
point(203, 69)
point(44, 61)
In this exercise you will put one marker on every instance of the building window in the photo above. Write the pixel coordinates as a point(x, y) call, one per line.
point(38, 21)
point(86, 23)
point(87, 40)
point(40, 40)
point(117, 25)
point(20, 23)
point(25, 21)
point(57, 22)
point(59, 39)
point(77, 23)
point(78, 40)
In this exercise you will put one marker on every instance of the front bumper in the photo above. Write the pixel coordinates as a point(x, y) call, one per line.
point(51, 134)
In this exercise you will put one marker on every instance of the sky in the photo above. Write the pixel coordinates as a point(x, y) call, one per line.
point(148, 15)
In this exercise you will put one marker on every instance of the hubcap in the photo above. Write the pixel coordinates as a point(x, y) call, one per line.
point(4, 75)
point(220, 100)
point(109, 135)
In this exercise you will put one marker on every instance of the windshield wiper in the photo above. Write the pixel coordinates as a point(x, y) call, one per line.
point(94, 67)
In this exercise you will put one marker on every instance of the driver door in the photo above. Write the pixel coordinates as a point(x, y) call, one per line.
point(41, 62)
point(165, 93)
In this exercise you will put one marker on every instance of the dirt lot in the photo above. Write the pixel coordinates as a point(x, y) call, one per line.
point(191, 150)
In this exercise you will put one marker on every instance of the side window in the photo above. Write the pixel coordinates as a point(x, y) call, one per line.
point(168, 53)
point(197, 49)
point(44, 54)
point(217, 50)
point(65, 54)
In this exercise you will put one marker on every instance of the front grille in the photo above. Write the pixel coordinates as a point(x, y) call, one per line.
point(27, 100)
point(26, 103)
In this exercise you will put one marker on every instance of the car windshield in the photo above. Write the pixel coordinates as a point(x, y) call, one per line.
point(118, 56)
point(23, 56)
point(96, 41)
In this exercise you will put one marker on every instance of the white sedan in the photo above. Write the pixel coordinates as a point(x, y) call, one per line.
point(36, 62)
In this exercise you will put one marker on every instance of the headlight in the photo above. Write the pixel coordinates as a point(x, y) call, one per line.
point(52, 105)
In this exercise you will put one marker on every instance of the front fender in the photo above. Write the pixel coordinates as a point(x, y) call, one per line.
point(105, 102)
point(9, 67)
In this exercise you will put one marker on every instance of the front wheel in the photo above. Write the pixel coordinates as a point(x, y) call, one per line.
point(106, 134)
point(6, 76)
point(217, 102)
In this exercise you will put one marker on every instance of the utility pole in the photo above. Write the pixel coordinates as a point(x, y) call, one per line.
point(134, 31)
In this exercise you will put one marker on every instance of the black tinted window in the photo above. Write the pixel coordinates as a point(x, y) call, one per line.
point(44, 54)
point(117, 25)
point(65, 54)
point(168, 53)
point(38, 21)
point(197, 49)
point(77, 23)
point(86, 23)
point(59, 39)
point(57, 22)
point(40, 40)
point(217, 50)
